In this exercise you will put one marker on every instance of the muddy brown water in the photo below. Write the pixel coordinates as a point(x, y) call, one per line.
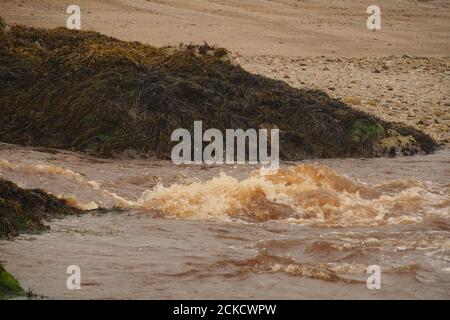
point(191, 232)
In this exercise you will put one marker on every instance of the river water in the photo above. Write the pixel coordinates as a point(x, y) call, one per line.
point(201, 232)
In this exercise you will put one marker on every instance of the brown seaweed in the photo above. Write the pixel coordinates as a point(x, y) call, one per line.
point(84, 91)
point(26, 210)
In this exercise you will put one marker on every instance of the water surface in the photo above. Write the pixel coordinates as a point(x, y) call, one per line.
point(192, 232)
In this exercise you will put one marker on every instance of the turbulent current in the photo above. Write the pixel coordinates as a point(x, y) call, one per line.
point(155, 230)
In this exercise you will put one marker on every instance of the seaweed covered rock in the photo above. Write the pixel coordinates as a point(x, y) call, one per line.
point(85, 91)
point(9, 286)
point(25, 210)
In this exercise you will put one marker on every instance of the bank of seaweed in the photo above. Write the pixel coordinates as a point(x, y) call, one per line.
point(27, 210)
point(24, 211)
point(81, 90)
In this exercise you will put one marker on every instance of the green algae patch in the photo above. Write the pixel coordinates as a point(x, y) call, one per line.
point(26, 210)
point(9, 286)
point(80, 90)
point(363, 131)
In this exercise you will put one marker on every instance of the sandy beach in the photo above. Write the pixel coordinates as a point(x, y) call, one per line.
point(288, 28)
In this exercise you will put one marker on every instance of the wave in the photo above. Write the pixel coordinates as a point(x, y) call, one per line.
point(56, 171)
point(304, 194)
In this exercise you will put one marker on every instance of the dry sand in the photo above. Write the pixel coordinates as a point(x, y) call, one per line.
point(254, 27)
point(311, 43)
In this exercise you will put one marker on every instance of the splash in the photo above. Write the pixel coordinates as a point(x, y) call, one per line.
point(304, 194)
point(56, 171)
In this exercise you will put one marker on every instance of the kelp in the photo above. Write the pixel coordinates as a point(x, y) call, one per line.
point(80, 90)
point(26, 210)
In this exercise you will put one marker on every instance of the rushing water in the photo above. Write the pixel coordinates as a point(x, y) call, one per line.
point(309, 231)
